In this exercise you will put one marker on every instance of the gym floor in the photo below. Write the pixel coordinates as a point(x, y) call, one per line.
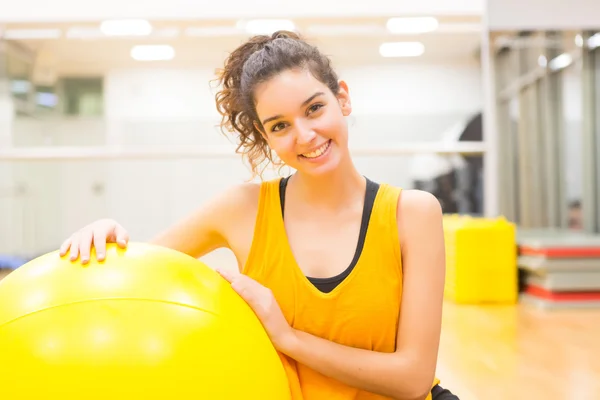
point(518, 352)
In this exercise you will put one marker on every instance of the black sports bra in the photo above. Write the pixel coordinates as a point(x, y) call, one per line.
point(326, 285)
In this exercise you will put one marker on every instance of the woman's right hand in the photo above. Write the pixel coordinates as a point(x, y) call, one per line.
point(97, 233)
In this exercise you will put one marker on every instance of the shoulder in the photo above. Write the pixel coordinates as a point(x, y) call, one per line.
point(418, 202)
point(239, 197)
point(239, 203)
point(243, 191)
point(419, 215)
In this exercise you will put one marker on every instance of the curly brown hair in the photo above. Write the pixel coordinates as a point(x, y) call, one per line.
point(254, 62)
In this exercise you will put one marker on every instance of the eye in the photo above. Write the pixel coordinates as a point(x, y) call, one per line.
point(277, 127)
point(315, 107)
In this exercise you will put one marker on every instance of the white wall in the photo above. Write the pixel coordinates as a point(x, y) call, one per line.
point(6, 184)
point(542, 14)
point(392, 104)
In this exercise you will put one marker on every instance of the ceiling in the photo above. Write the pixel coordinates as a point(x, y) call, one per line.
point(456, 41)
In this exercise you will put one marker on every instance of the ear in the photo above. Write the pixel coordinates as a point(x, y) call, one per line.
point(343, 97)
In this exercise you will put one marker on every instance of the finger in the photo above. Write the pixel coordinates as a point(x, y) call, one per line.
point(85, 245)
point(99, 239)
point(226, 273)
point(249, 289)
point(122, 237)
point(74, 253)
point(245, 289)
point(64, 247)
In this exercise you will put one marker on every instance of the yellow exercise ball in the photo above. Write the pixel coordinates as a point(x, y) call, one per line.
point(146, 323)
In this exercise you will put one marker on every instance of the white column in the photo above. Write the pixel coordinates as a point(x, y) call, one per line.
point(491, 179)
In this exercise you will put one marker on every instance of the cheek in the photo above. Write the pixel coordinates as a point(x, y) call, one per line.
point(333, 125)
point(283, 145)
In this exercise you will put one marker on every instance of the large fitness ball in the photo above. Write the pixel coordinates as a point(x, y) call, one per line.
point(147, 323)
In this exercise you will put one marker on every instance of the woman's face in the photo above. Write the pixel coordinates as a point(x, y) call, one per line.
point(303, 122)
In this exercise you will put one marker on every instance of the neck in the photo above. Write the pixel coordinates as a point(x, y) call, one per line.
point(342, 186)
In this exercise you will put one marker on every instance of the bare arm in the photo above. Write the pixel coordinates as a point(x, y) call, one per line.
point(408, 373)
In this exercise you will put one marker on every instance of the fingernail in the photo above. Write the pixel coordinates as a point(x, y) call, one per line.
point(100, 256)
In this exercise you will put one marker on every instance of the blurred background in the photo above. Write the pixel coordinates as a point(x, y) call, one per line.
point(107, 110)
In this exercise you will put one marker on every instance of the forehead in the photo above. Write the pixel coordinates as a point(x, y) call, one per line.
point(286, 91)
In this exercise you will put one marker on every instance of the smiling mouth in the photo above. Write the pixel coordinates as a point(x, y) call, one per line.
point(319, 152)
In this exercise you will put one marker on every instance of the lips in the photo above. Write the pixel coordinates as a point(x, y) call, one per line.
point(318, 152)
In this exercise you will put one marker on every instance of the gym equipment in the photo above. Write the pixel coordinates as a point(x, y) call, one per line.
point(481, 265)
point(146, 323)
point(562, 269)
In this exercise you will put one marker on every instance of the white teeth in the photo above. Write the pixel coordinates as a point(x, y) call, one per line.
point(317, 152)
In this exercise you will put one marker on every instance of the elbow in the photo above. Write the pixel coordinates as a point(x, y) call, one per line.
point(422, 395)
point(414, 393)
point(418, 389)
point(419, 377)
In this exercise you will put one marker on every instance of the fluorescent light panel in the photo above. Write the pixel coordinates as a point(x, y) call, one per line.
point(12, 34)
point(560, 62)
point(594, 41)
point(401, 49)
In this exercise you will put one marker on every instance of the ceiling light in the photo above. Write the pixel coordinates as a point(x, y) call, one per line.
point(152, 53)
point(594, 41)
point(401, 49)
point(31, 34)
point(126, 27)
point(560, 62)
point(266, 26)
point(412, 25)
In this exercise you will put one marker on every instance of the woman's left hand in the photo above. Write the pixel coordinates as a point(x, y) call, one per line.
point(265, 306)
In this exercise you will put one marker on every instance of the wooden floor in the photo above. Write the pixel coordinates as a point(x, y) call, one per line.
point(520, 352)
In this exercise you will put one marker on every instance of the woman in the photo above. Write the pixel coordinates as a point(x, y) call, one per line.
point(345, 274)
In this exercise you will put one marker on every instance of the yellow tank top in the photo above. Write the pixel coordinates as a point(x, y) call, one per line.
point(362, 311)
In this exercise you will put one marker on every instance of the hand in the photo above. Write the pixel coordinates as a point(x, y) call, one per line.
point(97, 233)
point(265, 306)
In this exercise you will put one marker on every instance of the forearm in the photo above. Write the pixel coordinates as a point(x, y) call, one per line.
point(388, 374)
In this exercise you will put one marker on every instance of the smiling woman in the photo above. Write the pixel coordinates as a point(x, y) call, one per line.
point(301, 82)
point(345, 274)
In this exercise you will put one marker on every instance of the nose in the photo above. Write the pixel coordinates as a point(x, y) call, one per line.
point(305, 134)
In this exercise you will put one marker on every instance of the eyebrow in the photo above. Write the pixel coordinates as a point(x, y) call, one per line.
point(304, 103)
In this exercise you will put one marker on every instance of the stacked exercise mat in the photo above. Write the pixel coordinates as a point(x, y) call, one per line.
point(561, 268)
point(481, 260)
